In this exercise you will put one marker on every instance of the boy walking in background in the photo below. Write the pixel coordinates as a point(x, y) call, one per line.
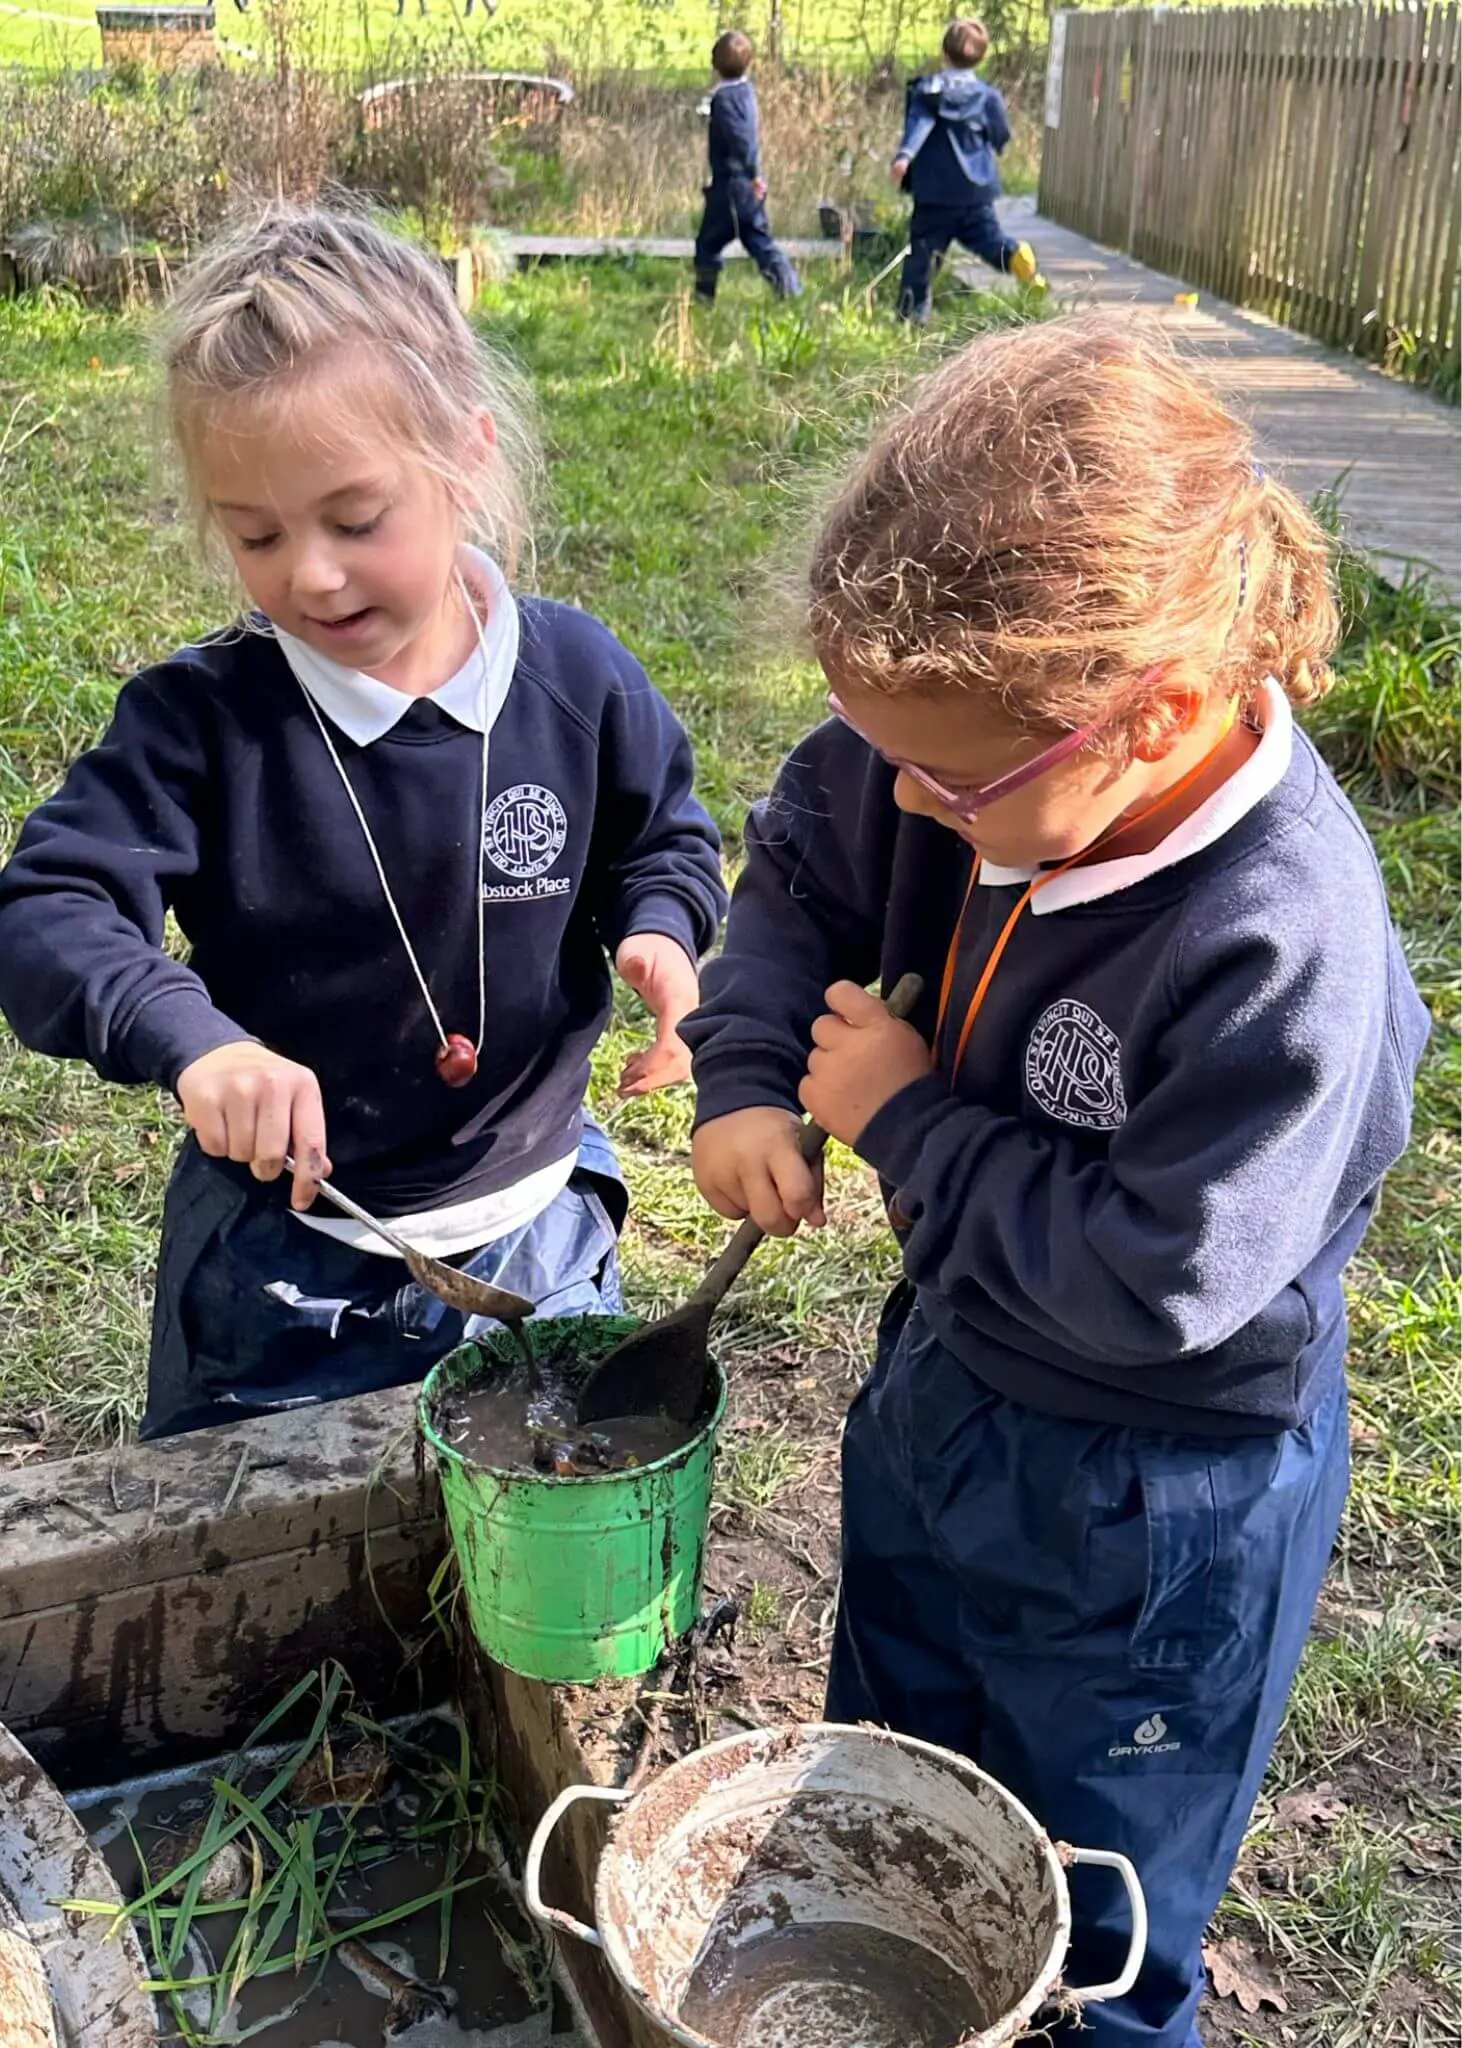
point(955, 126)
point(736, 196)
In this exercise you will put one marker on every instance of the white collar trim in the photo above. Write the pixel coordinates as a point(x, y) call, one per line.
point(1245, 789)
point(366, 709)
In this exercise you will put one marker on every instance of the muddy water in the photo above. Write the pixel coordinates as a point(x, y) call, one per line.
point(514, 1426)
point(829, 1984)
point(383, 1991)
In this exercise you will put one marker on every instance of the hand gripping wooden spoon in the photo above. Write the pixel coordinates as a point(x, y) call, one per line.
point(661, 1369)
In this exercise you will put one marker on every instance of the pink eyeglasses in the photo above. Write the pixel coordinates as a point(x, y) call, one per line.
point(965, 801)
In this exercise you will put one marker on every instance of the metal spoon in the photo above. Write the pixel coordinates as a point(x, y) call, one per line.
point(457, 1289)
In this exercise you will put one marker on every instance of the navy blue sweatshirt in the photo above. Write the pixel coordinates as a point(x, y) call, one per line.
point(733, 132)
point(212, 795)
point(954, 128)
point(1134, 1203)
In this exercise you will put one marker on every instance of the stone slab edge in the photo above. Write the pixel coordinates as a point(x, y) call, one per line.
point(152, 1596)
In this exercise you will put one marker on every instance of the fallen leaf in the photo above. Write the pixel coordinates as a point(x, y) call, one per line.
point(1239, 1974)
point(1428, 1855)
point(351, 1779)
point(1304, 1809)
point(37, 1193)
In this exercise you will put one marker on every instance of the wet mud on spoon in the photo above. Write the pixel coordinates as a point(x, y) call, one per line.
point(458, 1290)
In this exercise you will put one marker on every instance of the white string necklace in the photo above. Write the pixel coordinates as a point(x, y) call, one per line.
point(457, 1055)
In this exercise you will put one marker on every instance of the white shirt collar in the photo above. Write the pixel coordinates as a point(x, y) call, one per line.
point(1247, 787)
point(366, 709)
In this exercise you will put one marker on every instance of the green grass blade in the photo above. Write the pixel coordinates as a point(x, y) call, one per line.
point(204, 1854)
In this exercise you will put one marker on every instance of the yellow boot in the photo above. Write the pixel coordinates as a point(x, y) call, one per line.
point(1023, 265)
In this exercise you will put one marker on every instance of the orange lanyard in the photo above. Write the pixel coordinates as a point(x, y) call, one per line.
point(987, 974)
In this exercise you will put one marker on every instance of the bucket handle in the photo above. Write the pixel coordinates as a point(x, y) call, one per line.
point(1137, 1948)
point(554, 1916)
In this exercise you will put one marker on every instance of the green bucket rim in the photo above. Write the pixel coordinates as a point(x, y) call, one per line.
point(431, 1387)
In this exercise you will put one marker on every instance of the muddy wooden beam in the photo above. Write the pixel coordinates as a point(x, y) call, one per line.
point(153, 1596)
point(530, 1727)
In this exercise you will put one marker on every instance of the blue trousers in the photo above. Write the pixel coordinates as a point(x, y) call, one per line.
point(734, 213)
point(932, 229)
point(1107, 1620)
point(255, 1312)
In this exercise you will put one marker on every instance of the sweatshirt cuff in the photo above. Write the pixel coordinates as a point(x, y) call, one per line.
point(667, 915)
point(892, 1140)
point(743, 1078)
point(173, 1030)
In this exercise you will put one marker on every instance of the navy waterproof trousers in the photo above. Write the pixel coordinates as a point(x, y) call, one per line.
point(734, 213)
point(931, 231)
point(1107, 1620)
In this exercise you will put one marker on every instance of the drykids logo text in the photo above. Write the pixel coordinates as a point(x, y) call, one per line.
point(1149, 1738)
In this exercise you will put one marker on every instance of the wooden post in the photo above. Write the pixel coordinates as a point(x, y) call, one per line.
point(166, 38)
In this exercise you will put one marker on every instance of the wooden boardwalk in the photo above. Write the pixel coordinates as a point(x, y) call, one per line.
point(1322, 420)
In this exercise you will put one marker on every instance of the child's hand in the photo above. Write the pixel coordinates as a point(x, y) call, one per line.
point(661, 972)
point(758, 188)
point(898, 170)
point(249, 1104)
point(861, 1059)
point(750, 1164)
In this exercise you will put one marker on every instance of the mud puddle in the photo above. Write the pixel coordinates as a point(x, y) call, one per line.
point(371, 1841)
point(830, 1984)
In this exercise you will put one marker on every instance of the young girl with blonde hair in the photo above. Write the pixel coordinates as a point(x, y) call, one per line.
point(403, 818)
point(1166, 1056)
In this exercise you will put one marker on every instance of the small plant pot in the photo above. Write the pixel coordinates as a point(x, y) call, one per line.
point(871, 245)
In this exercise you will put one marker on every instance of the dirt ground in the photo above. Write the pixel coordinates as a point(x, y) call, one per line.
point(773, 1554)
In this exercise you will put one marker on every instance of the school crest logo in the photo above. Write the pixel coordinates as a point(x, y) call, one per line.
point(1073, 1068)
point(524, 831)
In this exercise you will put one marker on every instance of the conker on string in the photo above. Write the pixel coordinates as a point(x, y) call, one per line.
point(457, 1060)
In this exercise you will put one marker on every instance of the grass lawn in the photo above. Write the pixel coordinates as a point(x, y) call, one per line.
point(671, 36)
point(682, 446)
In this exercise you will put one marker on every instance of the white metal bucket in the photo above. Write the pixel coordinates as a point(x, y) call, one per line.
point(93, 1973)
point(947, 1896)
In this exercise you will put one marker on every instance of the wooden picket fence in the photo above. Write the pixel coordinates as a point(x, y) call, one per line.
point(1302, 160)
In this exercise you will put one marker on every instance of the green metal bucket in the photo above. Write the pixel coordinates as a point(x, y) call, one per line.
point(570, 1580)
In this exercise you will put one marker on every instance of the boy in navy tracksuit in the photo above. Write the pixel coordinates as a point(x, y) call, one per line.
point(736, 196)
point(954, 129)
point(405, 820)
point(1164, 1059)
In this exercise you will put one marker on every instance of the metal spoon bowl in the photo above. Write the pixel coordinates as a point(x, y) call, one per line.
point(457, 1289)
